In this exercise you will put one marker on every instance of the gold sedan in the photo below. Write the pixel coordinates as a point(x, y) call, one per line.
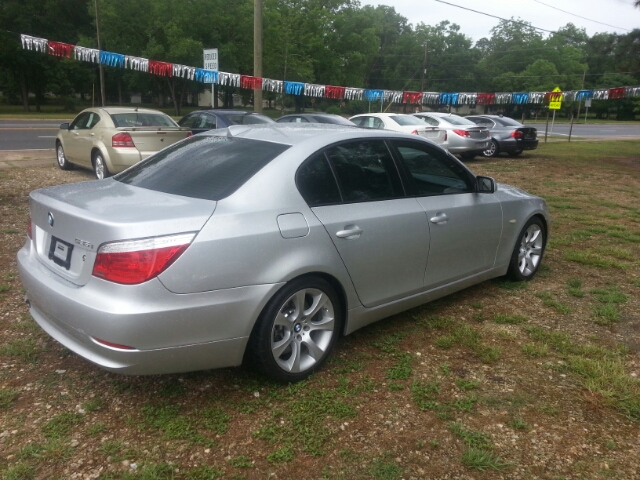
point(111, 139)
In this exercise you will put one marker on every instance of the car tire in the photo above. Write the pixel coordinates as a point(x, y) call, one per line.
point(527, 254)
point(61, 158)
point(297, 330)
point(100, 166)
point(468, 155)
point(514, 153)
point(493, 149)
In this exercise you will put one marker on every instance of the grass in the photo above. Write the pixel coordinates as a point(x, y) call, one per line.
point(7, 396)
point(549, 301)
point(61, 425)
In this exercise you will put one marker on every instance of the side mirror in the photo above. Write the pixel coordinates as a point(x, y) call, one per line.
point(485, 185)
point(64, 126)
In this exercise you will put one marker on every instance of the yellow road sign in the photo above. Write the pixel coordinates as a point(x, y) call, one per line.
point(557, 102)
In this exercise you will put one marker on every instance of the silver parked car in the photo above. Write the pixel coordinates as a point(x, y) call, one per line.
point(267, 243)
point(111, 139)
point(399, 122)
point(463, 136)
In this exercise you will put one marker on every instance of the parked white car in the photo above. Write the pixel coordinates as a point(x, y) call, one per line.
point(399, 122)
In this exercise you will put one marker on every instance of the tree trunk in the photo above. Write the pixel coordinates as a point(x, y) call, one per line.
point(172, 91)
point(25, 91)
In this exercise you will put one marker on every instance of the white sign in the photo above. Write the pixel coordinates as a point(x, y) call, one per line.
point(210, 59)
point(587, 102)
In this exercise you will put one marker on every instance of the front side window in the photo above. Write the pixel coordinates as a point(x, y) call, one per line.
point(365, 171)
point(429, 120)
point(209, 167)
point(406, 120)
point(189, 121)
point(432, 172)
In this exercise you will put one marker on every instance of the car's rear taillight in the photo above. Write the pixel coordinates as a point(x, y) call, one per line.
point(136, 261)
point(30, 229)
point(415, 132)
point(462, 133)
point(190, 134)
point(122, 139)
point(516, 134)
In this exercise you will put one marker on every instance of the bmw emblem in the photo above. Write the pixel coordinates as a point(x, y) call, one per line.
point(50, 218)
point(297, 328)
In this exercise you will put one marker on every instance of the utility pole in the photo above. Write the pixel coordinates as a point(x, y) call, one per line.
point(257, 52)
point(100, 67)
point(424, 63)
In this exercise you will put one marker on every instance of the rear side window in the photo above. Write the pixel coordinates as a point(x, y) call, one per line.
point(141, 119)
point(210, 167)
point(365, 171)
point(316, 182)
point(508, 122)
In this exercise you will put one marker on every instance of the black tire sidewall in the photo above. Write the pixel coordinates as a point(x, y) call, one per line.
point(260, 341)
point(514, 272)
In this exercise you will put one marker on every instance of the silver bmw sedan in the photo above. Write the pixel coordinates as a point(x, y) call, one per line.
point(265, 243)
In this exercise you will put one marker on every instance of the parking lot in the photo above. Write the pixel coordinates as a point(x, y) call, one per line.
point(502, 380)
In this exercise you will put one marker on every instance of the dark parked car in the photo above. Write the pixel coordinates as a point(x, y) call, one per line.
point(315, 118)
point(203, 120)
point(507, 135)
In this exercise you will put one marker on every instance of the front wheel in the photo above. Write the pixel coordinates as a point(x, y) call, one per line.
point(527, 254)
point(63, 163)
point(297, 330)
point(493, 149)
point(100, 167)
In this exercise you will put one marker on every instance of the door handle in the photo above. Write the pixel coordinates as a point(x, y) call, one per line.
point(350, 232)
point(440, 218)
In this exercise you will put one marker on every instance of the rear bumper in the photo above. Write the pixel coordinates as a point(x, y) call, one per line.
point(513, 145)
point(168, 332)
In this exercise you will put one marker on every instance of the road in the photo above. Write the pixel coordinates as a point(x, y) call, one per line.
point(28, 134)
point(611, 130)
point(40, 134)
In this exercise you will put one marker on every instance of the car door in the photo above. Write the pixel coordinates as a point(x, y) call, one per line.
point(81, 138)
point(464, 226)
point(354, 189)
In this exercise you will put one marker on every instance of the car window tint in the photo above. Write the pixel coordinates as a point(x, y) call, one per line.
point(256, 119)
point(203, 166)
point(485, 122)
point(209, 121)
point(142, 119)
point(301, 120)
point(378, 123)
point(432, 172)
point(430, 121)
point(80, 122)
point(359, 121)
point(365, 171)
point(456, 120)
point(508, 122)
point(406, 120)
point(94, 118)
point(188, 121)
point(316, 182)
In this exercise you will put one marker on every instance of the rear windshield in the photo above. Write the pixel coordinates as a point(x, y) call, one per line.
point(507, 122)
point(407, 120)
point(456, 120)
point(210, 167)
point(247, 119)
point(141, 119)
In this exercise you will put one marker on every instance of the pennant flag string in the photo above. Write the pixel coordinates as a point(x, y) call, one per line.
point(91, 55)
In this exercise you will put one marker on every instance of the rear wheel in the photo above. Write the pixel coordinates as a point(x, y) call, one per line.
point(514, 153)
point(297, 330)
point(527, 254)
point(100, 167)
point(63, 163)
point(493, 149)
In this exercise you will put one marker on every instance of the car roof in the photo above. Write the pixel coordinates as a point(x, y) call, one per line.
point(438, 114)
point(291, 134)
point(115, 110)
point(223, 111)
point(381, 114)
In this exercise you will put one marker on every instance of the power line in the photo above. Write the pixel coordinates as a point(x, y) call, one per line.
point(580, 16)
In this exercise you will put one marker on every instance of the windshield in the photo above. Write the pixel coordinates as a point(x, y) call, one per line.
point(406, 120)
point(210, 167)
point(141, 119)
point(456, 120)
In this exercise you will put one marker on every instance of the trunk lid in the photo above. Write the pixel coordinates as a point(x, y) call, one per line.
point(71, 221)
point(150, 140)
point(478, 133)
point(528, 133)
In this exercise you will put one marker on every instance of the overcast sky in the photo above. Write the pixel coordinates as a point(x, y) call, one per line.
point(619, 15)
